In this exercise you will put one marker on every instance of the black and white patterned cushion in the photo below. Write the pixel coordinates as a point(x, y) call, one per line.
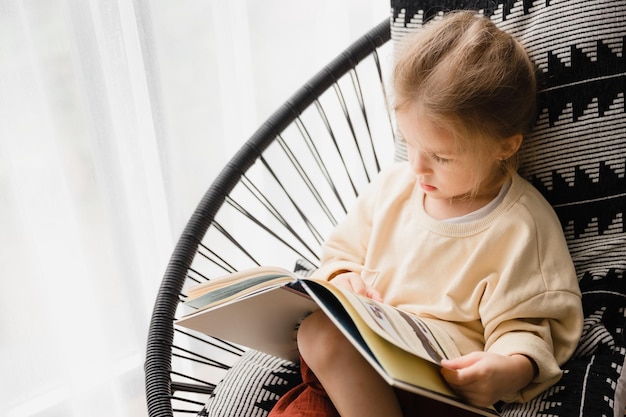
point(252, 386)
point(577, 158)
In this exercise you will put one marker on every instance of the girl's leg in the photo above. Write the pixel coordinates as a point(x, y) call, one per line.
point(354, 387)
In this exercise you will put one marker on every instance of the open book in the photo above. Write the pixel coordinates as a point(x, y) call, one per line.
point(262, 307)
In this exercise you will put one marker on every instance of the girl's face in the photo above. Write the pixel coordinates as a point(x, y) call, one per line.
point(455, 179)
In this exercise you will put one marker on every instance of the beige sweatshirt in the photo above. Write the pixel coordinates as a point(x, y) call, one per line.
point(504, 284)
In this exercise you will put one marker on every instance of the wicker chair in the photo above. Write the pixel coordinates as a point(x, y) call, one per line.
point(273, 203)
point(294, 179)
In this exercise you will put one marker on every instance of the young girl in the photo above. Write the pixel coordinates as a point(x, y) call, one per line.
point(454, 236)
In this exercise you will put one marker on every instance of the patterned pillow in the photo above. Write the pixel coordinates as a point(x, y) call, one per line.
point(252, 386)
point(577, 158)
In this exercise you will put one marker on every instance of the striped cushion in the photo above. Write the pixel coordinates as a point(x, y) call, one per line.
point(252, 386)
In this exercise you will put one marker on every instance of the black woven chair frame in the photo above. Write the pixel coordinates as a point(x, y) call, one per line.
point(273, 203)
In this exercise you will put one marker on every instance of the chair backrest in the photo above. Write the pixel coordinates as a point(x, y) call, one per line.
point(576, 157)
point(272, 204)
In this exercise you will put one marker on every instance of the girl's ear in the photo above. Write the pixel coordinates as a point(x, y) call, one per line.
point(510, 146)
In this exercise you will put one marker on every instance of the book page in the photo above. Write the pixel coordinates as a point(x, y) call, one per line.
point(243, 275)
point(239, 284)
point(404, 330)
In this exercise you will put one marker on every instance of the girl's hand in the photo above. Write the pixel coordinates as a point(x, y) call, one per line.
point(484, 378)
point(352, 281)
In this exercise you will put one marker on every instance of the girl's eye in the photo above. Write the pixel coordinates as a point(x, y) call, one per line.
point(439, 159)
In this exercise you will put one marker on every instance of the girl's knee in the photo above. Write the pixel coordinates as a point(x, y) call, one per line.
point(319, 339)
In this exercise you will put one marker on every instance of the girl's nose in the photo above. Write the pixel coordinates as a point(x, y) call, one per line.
point(419, 163)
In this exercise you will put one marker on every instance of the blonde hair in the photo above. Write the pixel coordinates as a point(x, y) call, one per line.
point(470, 77)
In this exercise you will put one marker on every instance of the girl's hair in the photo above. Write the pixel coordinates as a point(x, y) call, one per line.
point(468, 76)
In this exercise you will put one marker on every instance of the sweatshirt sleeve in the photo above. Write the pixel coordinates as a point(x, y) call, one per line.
point(533, 307)
point(544, 340)
point(347, 246)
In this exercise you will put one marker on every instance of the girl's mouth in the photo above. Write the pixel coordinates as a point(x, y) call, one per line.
point(427, 187)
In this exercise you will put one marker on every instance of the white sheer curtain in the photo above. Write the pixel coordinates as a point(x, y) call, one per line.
point(115, 115)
